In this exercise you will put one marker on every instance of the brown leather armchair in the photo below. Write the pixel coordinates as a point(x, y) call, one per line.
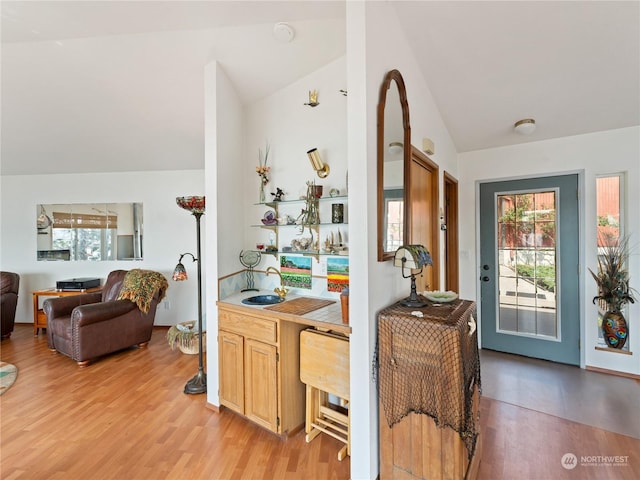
point(9, 283)
point(90, 325)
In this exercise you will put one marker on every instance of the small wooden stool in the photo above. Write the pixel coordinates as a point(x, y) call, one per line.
point(324, 368)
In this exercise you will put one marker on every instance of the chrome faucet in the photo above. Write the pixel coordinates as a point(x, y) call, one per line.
point(281, 290)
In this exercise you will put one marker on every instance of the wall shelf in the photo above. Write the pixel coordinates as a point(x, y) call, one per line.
point(322, 224)
point(613, 350)
point(275, 228)
point(273, 204)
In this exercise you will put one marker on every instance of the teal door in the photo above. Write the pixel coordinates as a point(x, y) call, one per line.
point(529, 254)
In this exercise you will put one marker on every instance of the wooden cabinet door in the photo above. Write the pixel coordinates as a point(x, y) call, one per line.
point(261, 385)
point(231, 347)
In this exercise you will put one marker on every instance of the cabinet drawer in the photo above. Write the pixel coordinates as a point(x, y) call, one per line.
point(250, 327)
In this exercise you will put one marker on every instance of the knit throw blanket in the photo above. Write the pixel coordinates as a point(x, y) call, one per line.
point(140, 286)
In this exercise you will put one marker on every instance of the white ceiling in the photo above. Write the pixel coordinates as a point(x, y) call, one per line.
point(92, 86)
point(574, 66)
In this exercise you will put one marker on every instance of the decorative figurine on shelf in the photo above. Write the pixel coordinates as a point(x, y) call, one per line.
point(277, 197)
point(269, 218)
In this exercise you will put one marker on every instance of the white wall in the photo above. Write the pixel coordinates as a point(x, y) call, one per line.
point(224, 126)
point(375, 45)
point(291, 129)
point(168, 231)
point(593, 154)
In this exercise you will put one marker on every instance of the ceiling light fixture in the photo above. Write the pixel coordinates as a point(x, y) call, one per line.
point(396, 148)
point(283, 32)
point(525, 126)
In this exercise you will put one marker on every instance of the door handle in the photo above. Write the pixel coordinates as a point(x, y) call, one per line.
point(485, 279)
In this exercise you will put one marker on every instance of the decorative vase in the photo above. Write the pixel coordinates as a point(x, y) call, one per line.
point(262, 194)
point(614, 329)
point(337, 213)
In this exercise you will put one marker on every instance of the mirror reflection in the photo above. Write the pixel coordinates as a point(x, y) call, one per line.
point(394, 136)
point(89, 231)
point(393, 176)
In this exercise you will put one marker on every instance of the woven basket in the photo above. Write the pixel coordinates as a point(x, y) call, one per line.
point(192, 348)
point(190, 345)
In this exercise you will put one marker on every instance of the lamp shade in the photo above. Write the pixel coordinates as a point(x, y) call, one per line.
point(412, 256)
point(180, 273)
point(194, 204)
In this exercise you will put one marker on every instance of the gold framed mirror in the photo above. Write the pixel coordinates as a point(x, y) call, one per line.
point(394, 157)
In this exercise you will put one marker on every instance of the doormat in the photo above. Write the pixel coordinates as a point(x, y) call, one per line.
point(8, 375)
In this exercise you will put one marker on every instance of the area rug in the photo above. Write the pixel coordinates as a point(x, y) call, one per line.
point(8, 375)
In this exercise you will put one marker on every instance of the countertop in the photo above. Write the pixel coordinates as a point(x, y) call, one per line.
point(328, 318)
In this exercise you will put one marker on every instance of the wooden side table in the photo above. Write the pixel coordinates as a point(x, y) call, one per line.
point(39, 317)
point(429, 382)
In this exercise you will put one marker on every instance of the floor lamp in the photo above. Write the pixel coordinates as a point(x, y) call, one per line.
point(195, 205)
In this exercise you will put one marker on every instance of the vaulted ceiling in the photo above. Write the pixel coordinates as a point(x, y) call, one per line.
point(117, 86)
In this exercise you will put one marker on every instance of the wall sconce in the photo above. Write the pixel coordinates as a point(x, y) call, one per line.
point(396, 148)
point(313, 98)
point(427, 146)
point(322, 169)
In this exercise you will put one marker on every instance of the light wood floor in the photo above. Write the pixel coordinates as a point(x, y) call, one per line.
point(125, 417)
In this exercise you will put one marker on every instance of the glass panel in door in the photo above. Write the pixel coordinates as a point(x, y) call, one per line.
point(527, 264)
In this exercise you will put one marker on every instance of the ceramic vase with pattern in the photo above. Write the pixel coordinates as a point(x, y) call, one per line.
point(614, 329)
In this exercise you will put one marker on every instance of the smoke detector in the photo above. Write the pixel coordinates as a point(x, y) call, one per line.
point(283, 32)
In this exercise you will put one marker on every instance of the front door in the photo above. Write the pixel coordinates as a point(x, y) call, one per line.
point(529, 254)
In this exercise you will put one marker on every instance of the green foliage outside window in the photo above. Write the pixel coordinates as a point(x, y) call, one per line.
point(544, 276)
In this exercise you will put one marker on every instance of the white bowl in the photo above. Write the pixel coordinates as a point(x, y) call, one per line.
point(440, 297)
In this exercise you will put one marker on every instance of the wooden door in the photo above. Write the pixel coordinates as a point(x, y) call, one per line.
point(261, 385)
point(231, 373)
point(450, 214)
point(423, 216)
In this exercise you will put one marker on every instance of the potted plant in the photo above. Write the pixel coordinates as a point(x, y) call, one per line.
point(184, 335)
point(613, 287)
